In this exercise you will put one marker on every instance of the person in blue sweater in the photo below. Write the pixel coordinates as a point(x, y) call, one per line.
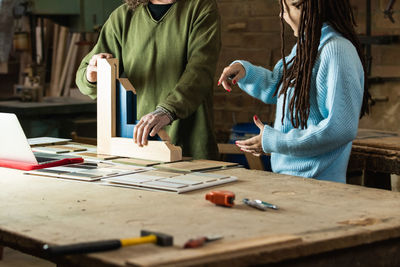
point(319, 90)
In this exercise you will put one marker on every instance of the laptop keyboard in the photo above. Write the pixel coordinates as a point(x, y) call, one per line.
point(42, 160)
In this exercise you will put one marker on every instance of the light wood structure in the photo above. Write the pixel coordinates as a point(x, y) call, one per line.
point(107, 141)
point(255, 162)
point(318, 223)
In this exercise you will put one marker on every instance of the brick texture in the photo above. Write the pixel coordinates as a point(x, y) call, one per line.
point(251, 31)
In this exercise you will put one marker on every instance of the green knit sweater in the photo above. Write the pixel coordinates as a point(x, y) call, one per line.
point(171, 63)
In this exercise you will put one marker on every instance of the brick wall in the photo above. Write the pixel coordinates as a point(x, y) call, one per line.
point(251, 31)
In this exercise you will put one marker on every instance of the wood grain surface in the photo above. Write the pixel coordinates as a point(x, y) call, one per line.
point(315, 217)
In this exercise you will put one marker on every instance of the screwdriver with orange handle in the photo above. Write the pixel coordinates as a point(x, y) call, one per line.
point(221, 197)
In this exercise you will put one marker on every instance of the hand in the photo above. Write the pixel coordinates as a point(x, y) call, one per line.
point(151, 123)
point(253, 145)
point(91, 70)
point(236, 72)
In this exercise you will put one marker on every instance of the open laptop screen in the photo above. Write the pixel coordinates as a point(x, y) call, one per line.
point(13, 143)
point(15, 151)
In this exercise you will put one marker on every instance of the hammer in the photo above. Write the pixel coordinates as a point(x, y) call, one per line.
point(159, 239)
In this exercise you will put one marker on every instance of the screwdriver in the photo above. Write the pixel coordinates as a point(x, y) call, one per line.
point(198, 242)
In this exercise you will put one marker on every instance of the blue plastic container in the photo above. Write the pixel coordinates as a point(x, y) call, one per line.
point(242, 131)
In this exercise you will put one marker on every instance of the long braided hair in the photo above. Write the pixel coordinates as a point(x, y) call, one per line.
point(314, 13)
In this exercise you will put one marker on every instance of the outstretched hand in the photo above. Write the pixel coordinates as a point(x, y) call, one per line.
point(253, 145)
point(234, 72)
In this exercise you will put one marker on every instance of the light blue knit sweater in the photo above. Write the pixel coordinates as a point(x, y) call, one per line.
point(322, 150)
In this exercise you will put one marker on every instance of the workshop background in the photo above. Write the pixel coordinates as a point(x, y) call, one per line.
point(39, 56)
point(43, 41)
point(251, 31)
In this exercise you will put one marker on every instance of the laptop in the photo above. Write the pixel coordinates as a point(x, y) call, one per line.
point(16, 153)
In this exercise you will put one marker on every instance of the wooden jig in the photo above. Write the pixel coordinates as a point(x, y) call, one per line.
point(107, 140)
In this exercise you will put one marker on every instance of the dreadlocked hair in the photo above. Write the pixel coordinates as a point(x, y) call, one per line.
point(132, 4)
point(297, 72)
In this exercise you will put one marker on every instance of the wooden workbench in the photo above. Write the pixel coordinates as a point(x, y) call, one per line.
point(377, 154)
point(319, 223)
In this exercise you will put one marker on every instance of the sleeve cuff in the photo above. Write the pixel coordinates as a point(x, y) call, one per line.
point(269, 139)
point(246, 65)
point(165, 111)
point(88, 88)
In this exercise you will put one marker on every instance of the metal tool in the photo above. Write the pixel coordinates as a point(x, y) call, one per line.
point(259, 204)
point(221, 197)
point(159, 239)
point(198, 242)
point(255, 204)
point(268, 205)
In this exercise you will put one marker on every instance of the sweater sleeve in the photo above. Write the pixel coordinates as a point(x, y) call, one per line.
point(109, 42)
point(259, 82)
point(196, 83)
point(339, 85)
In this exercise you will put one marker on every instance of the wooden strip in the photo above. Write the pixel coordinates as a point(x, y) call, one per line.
point(98, 156)
point(229, 149)
point(212, 252)
point(378, 151)
point(196, 165)
point(70, 148)
point(138, 162)
point(71, 67)
point(59, 60)
point(255, 162)
point(53, 58)
point(391, 143)
point(67, 64)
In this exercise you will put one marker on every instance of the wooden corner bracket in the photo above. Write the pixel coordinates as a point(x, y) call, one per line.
point(107, 140)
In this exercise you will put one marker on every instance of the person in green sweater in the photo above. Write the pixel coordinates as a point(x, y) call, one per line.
point(168, 50)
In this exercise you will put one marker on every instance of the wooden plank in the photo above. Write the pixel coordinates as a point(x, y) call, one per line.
point(196, 165)
point(56, 32)
point(255, 162)
point(229, 149)
point(105, 97)
point(155, 150)
point(138, 162)
point(67, 63)
point(214, 251)
point(72, 66)
point(59, 60)
point(70, 148)
point(389, 142)
point(327, 216)
point(97, 156)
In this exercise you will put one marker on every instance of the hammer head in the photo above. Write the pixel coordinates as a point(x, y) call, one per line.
point(162, 239)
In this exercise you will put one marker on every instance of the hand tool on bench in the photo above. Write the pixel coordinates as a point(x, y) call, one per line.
point(221, 197)
point(159, 239)
point(198, 242)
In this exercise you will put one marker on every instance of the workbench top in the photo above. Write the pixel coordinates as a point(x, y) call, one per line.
point(49, 105)
point(314, 217)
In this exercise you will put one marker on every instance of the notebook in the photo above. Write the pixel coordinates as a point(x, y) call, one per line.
point(16, 153)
